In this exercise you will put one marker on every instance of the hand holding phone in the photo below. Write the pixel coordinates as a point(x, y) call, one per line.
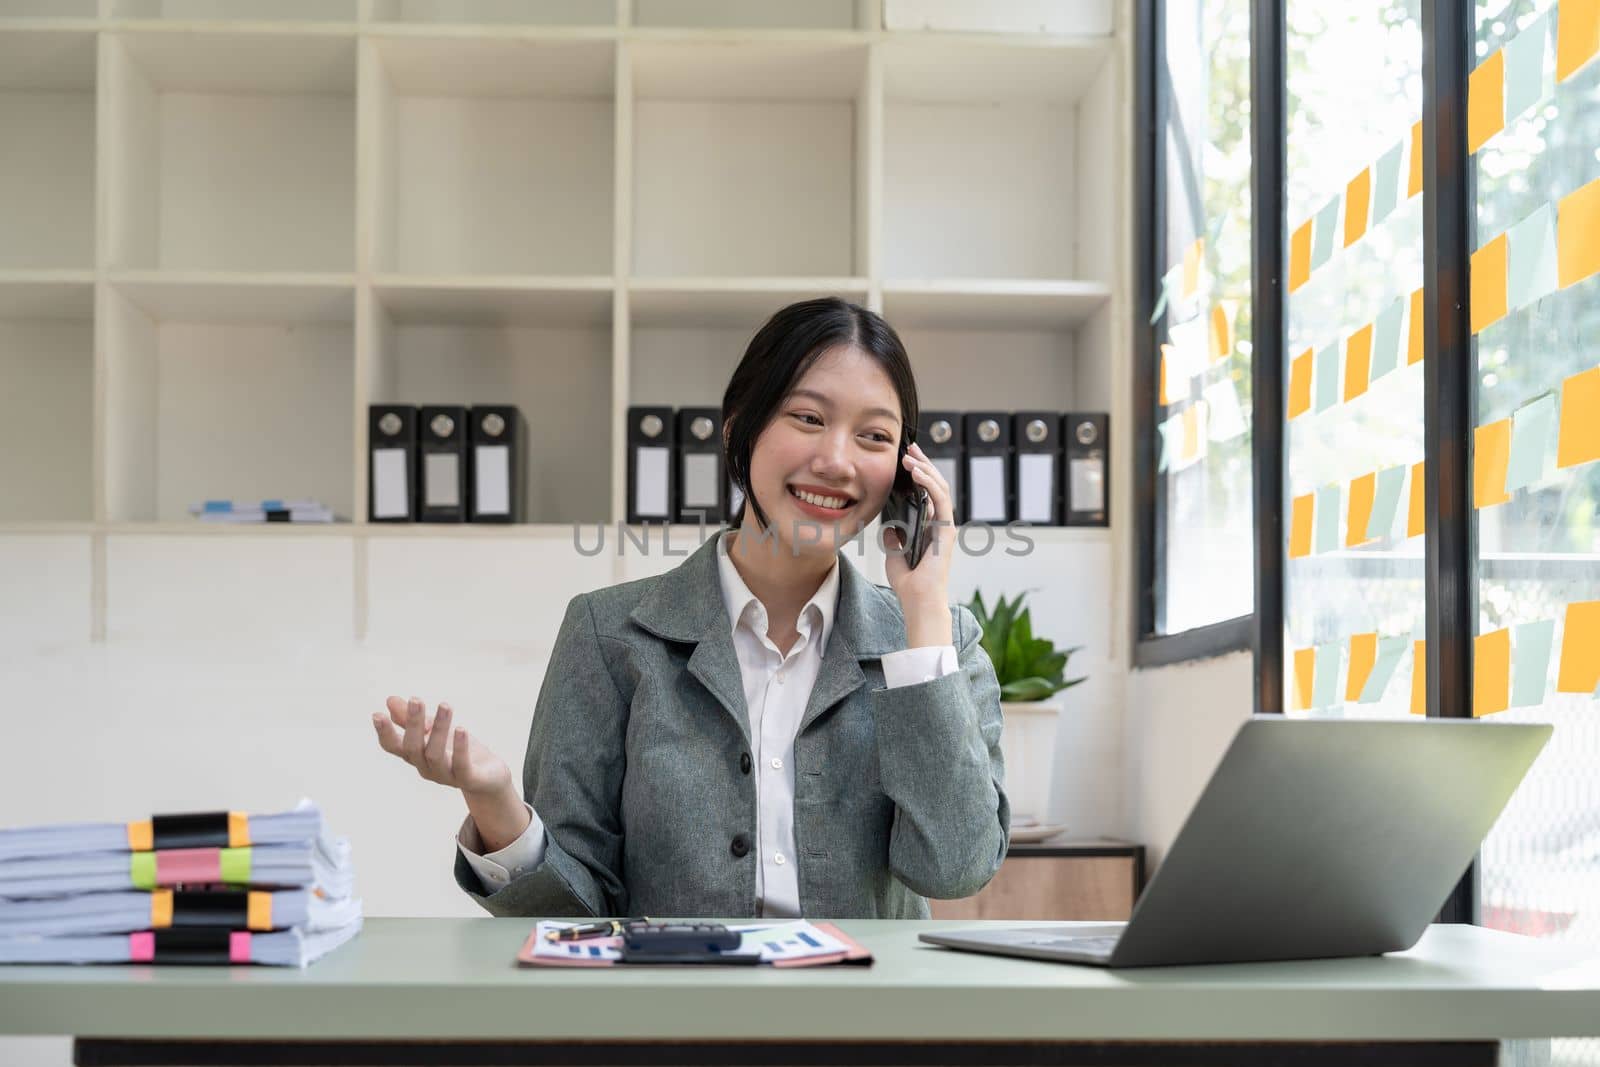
point(911, 506)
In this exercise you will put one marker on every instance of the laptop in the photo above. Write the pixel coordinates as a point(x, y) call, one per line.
point(1314, 838)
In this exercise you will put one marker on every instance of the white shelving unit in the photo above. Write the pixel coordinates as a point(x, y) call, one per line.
point(228, 226)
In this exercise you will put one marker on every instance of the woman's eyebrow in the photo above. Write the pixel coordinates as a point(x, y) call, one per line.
point(827, 401)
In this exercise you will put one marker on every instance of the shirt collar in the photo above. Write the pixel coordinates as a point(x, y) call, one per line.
point(738, 599)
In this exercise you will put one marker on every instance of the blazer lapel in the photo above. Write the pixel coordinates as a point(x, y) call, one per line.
point(867, 625)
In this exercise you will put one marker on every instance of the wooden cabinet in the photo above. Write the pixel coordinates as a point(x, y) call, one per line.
point(1060, 878)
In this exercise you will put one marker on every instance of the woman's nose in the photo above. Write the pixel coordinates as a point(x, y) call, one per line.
point(833, 457)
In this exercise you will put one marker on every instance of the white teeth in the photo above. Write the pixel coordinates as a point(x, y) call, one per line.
point(834, 502)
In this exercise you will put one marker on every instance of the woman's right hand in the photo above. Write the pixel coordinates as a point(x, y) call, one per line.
point(439, 754)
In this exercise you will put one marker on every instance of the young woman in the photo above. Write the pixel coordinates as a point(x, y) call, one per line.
point(760, 731)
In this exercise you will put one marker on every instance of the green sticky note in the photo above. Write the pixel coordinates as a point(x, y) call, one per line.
point(142, 870)
point(1531, 258)
point(1385, 502)
point(1391, 650)
point(235, 863)
point(1525, 68)
point(1323, 232)
point(1325, 676)
point(1530, 437)
point(1327, 520)
point(1325, 367)
point(1386, 339)
point(1386, 184)
point(1530, 662)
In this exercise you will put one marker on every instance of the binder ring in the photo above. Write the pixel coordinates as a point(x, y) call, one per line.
point(1036, 430)
point(651, 425)
point(1086, 433)
point(988, 431)
point(442, 425)
point(701, 427)
point(494, 424)
point(389, 424)
point(940, 431)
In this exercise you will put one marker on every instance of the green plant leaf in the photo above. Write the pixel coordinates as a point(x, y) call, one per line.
point(1026, 689)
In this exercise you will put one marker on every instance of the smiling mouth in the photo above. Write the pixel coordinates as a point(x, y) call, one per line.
point(826, 502)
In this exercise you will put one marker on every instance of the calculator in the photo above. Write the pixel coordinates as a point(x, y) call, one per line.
point(666, 942)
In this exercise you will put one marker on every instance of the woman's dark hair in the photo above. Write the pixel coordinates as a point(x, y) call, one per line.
point(781, 352)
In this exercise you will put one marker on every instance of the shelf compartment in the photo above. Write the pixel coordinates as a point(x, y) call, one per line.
point(51, 10)
point(231, 151)
point(456, 345)
point(750, 151)
point(311, 11)
point(498, 12)
point(482, 301)
point(47, 110)
point(743, 303)
point(991, 304)
point(226, 389)
point(753, 14)
point(46, 442)
point(495, 156)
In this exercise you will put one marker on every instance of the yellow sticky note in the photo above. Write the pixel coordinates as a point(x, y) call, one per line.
point(1305, 665)
point(1414, 181)
point(1491, 673)
point(1300, 384)
point(1300, 256)
point(1357, 362)
point(1362, 491)
point(1192, 257)
point(1416, 515)
point(1577, 35)
point(1414, 341)
point(1486, 100)
point(1300, 532)
point(1363, 654)
point(1357, 199)
point(1491, 451)
point(1578, 234)
point(1221, 334)
point(1579, 438)
point(1488, 284)
point(1580, 648)
point(1191, 432)
point(1166, 360)
point(1419, 677)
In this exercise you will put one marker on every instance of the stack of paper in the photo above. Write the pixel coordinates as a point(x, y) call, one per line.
point(222, 887)
point(247, 511)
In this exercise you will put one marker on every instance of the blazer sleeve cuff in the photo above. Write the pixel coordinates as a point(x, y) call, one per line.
point(496, 870)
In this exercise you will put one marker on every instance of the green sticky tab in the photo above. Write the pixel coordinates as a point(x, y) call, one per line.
point(1322, 233)
point(1325, 684)
point(142, 870)
point(1530, 662)
point(1386, 339)
point(1531, 258)
point(1327, 520)
point(1386, 184)
point(1525, 68)
point(1530, 437)
point(1385, 503)
point(1390, 651)
point(236, 866)
point(1325, 367)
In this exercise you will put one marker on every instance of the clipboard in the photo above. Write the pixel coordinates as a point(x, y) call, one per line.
point(607, 949)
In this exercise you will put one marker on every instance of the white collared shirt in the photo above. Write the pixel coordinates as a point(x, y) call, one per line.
point(777, 687)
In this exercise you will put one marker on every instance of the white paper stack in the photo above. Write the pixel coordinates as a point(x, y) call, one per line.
point(220, 887)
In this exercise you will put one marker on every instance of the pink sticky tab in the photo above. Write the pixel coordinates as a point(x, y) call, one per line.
point(142, 947)
point(239, 946)
point(188, 865)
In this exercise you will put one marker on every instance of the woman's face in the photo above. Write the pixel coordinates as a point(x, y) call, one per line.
point(824, 465)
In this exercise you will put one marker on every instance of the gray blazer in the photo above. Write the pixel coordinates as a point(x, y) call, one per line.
point(633, 764)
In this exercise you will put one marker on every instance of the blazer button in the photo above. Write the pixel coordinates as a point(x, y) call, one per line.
point(740, 847)
point(744, 763)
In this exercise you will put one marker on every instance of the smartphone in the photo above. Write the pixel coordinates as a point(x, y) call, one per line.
point(911, 505)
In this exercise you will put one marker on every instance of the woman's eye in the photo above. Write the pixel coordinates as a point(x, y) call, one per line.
point(807, 418)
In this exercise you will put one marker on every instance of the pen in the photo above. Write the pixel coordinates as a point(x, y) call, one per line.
point(603, 928)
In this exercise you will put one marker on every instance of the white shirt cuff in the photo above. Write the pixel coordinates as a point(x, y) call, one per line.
point(913, 666)
point(498, 869)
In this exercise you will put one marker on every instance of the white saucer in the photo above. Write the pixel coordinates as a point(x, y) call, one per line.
point(1035, 832)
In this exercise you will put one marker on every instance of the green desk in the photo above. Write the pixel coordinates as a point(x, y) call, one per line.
point(448, 991)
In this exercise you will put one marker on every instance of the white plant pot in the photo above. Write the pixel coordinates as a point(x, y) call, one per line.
point(1029, 744)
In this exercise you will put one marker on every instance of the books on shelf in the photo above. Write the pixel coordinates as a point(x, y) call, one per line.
point(236, 511)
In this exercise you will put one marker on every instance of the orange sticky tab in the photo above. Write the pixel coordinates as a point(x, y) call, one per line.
point(160, 909)
point(1300, 510)
point(1357, 199)
point(1579, 438)
point(1166, 358)
point(1221, 334)
point(1300, 384)
point(1491, 673)
point(1305, 664)
point(1419, 677)
point(1414, 341)
point(258, 911)
point(1486, 100)
point(1578, 234)
point(1191, 432)
point(1416, 517)
point(1300, 256)
point(1580, 648)
point(238, 830)
point(1491, 452)
point(1363, 654)
point(1577, 35)
point(1414, 182)
point(1489, 284)
point(141, 836)
point(1192, 257)
point(1357, 362)
point(1362, 491)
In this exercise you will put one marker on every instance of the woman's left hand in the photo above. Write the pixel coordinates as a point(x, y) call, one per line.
point(924, 590)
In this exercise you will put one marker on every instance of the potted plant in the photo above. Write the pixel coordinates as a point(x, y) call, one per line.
point(1030, 672)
